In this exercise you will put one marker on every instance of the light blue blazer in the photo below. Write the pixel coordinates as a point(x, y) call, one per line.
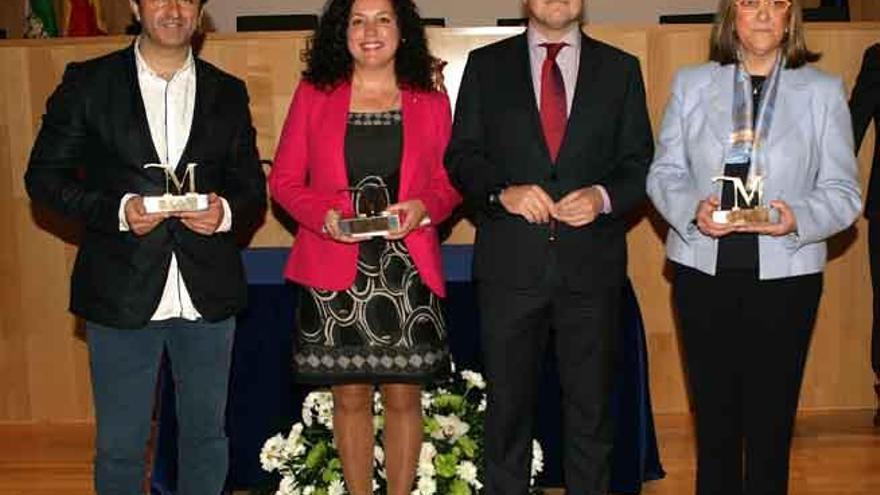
point(809, 163)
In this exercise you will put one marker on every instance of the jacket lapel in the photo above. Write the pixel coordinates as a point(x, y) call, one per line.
point(717, 100)
point(524, 90)
point(577, 118)
point(140, 129)
point(789, 99)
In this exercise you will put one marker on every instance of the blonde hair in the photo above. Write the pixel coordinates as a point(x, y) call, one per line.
point(724, 43)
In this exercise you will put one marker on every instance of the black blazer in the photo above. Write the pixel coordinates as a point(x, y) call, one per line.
point(497, 141)
point(90, 151)
point(864, 107)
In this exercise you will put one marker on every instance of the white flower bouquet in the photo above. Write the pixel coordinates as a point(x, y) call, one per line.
point(450, 462)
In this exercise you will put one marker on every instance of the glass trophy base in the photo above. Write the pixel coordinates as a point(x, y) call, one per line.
point(170, 203)
point(758, 214)
point(366, 227)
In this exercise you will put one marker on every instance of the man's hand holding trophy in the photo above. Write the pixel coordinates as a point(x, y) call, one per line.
point(201, 213)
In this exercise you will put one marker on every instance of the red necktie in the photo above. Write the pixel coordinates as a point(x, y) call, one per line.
point(554, 107)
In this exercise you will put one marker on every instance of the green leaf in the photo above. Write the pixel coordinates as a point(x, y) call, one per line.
point(328, 474)
point(431, 425)
point(449, 401)
point(445, 464)
point(316, 456)
point(459, 487)
point(468, 446)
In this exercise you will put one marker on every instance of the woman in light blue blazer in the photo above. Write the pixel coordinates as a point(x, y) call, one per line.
point(747, 294)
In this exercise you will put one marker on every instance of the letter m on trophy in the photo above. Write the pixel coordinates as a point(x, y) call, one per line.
point(177, 201)
point(752, 194)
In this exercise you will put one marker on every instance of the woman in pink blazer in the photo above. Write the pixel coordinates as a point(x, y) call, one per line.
point(367, 128)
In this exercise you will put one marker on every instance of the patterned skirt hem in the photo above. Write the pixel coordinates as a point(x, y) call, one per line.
point(321, 365)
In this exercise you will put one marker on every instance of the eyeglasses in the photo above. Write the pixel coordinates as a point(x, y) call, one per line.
point(773, 6)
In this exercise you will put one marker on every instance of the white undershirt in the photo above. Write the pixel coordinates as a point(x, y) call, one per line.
point(170, 105)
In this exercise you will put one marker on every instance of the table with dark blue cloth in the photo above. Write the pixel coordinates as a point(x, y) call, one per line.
point(264, 400)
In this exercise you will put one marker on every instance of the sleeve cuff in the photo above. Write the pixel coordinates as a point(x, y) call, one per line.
point(226, 223)
point(606, 200)
point(123, 222)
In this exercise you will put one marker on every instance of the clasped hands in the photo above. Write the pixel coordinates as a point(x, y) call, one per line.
point(786, 225)
point(578, 208)
point(411, 212)
point(205, 222)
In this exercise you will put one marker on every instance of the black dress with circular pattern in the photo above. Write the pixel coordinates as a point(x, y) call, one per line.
point(388, 327)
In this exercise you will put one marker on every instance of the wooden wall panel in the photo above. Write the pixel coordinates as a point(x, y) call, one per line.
point(12, 18)
point(864, 10)
point(43, 358)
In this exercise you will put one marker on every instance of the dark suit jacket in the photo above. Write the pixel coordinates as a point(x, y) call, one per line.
point(864, 107)
point(497, 141)
point(90, 151)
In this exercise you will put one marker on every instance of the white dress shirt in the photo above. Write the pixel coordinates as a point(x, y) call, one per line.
point(568, 60)
point(170, 105)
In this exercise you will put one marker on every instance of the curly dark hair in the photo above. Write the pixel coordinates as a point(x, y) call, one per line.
point(330, 63)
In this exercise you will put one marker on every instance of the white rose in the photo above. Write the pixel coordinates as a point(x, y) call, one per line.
point(272, 454)
point(325, 417)
point(467, 471)
point(426, 486)
point(427, 400)
point(306, 415)
point(482, 406)
point(474, 379)
point(377, 403)
point(336, 488)
point(378, 455)
point(288, 486)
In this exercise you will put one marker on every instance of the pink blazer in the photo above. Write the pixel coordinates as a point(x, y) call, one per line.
point(309, 177)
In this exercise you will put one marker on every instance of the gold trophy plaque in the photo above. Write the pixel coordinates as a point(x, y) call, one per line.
point(180, 202)
point(752, 191)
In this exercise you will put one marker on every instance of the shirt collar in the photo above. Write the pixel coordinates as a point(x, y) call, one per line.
point(144, 68)
point(572, 38)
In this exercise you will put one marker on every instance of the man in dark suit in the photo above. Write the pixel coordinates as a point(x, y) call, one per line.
point(864, 106)
point(551, 142)
point(148, 283)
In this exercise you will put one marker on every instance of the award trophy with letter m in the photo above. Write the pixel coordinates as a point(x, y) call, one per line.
point(179, 201)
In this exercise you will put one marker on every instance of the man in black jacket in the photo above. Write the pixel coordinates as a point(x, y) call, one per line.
point(148, 283)
point(865, 107)
point(551, 142)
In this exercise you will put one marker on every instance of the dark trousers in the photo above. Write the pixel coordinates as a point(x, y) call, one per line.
point(874, 257)
point(517, 325)
point(124, 366)
point(745, 344)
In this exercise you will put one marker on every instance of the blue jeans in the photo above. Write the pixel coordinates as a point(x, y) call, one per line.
point(124, 366)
